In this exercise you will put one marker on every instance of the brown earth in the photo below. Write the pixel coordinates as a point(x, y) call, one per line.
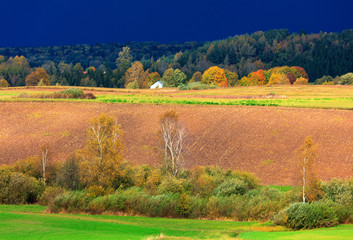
point(261, 140)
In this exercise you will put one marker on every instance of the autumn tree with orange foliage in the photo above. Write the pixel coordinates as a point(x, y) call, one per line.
point(39, 75)
point(277, 75)
point(254, 79)
point(215, 75)
point(258, 77)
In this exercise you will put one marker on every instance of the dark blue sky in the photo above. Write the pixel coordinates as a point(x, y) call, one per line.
point(38, 22)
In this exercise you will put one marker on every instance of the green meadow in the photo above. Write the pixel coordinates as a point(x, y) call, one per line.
point(337, 97)
point(30, 222)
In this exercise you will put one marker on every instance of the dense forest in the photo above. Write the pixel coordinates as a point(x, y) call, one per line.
point(321, 54)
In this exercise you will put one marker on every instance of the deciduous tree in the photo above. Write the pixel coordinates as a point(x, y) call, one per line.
point(258, 77)
point(4, 83)
point(68, 176)
point(38, 75)
point(152, 78)
point(277, 78)
point(196, 77)
point(168, 77)
point(231, 77)
point(291, 77)
point(102, 155)
point(306, 153)
point(44, 159)
point(174, 137)
point(123, 62)
point(179, 78)
point(215, 75)
point(136, 74)
point(301, 81)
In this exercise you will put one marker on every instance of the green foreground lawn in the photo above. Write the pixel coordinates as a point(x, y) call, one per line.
point(29, 222)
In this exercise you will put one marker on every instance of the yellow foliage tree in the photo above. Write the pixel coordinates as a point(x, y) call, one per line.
point(232, 78)
point(301, 81)
point(39, 75)
point(136, 74)
point(4, 83)
point(101, 157)
point(307, 153)
point(245, 81)
point(215, 75)
point(152, 78)
point(277, 78)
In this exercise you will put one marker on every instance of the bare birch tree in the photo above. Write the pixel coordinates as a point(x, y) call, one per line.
point(307, 154)
point(44, 159)
point(174, 137)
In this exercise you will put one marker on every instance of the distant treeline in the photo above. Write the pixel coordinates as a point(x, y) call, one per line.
point(319, 54)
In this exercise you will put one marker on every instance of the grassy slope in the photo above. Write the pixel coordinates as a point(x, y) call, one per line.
point(289, 96)
point(342, 232)
point(27, 222)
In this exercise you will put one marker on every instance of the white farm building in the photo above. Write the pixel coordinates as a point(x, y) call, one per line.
point(157, 84)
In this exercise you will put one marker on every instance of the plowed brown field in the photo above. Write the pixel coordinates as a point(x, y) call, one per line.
point(261, 140)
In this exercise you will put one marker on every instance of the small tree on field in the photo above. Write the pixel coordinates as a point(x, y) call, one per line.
point(174, 137)
point(68, 176)
point(4, 83)
point(196, 77)
point(291, 77)
point(44, 159)
point(36, 76)
point(102, 155)
point(307, 154)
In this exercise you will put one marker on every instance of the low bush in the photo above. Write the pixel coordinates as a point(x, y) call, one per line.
point(262, 208)
point(222, 207)
point(341, 212)
point(73, 93)
point(89, 96)
point(48, 196)
point(339, 191)
point(280, 218)
point(171, 184)
point(76, 93)
point(198, 207)
point(95, 191)
point(196, 86)
point(132, 85)
point(230, 187)
point(183, 207)
point(72, 202)
point(310, 215)
point(249, 178)
point(17, 188)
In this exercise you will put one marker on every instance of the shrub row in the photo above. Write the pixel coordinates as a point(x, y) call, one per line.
point(68, 93)
point(260, 204)
point(196, 86)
